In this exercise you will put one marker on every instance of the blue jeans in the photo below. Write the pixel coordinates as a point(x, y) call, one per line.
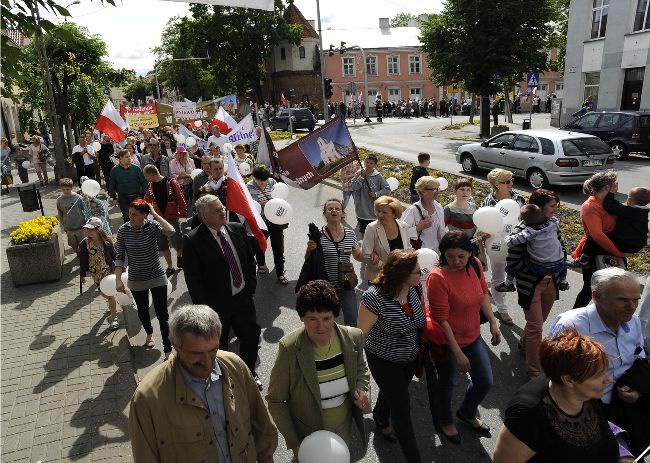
point(480, 373)
point(346, 198)
point(349, 306)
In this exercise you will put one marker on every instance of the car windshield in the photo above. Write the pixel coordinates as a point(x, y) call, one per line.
point(584, 147)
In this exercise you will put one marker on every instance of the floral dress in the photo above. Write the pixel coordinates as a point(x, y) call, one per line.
point(97, 265)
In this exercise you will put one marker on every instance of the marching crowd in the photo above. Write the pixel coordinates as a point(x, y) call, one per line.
point(588, 398)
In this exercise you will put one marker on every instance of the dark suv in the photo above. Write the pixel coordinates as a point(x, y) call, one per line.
point(625, 131)
point(302, 118)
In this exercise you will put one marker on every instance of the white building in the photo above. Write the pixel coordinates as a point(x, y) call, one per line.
point(607, 55)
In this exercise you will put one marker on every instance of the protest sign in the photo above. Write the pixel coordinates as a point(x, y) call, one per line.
point(142, 116)
point(184, 110)
point(243, 133)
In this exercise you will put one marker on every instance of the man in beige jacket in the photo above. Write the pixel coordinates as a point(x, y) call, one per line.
point(202, 404)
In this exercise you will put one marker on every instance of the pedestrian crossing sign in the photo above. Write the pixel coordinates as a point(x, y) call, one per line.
point(533, 79)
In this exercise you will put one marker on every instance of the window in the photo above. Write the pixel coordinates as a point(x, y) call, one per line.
point(371, 65)
point(543, 87)
point(547, 146)
point(501, 141)
point(416, 93)
point(612, 119)
point(588, 121)
point(525, 143)
point(599, 14)
point(348, 66)
point(301, 52)
point(559, 86)
point(592, 82)
point(641, 20)
point(283, 54)
point(393, 94)
point(585, 146)
point(372, 95)
point(393, 65)
point(414, 64)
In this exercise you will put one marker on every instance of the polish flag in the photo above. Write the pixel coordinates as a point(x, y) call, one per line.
point(224, 121)
point(283, 100)
point(240, 201)
point(110, 122)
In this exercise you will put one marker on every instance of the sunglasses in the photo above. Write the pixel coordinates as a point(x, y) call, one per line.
point(507, 182)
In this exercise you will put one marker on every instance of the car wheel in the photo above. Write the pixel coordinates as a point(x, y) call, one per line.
point(468, 163)
point(620, 150)
point(537, 179)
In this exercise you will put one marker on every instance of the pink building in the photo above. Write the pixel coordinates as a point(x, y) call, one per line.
point(395, 65)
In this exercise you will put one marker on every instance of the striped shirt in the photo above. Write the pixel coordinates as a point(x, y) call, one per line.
point(261, 196)
point(333, 383)
point(394, 336)
point(491, 200)
point(333, 257)
point(141, 248)
point(460, 219)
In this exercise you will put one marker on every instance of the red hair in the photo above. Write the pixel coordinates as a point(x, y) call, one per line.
point(140, 205)
point(570, 353)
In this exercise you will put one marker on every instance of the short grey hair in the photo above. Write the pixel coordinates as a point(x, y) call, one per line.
point(602, 279)
point(201, 204)
point(198, 319)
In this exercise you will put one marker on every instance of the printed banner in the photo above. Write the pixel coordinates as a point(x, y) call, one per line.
point(228, 102)
point(142, 116)
point(185, 110)
point(205, 110)
point(243, 133)
point(318, 155)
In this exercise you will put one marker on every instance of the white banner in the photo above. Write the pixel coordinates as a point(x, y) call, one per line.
point(244, 132)
point(256, 4)
point(184, 110)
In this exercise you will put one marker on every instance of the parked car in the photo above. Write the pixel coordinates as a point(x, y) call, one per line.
point(302, 118)
point(625, 131)
point(541, 157)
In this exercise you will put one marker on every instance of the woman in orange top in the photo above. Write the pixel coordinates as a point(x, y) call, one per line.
point(596, 223)
point(457, 294)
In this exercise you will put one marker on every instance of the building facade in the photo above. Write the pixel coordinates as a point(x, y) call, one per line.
point(607, 55)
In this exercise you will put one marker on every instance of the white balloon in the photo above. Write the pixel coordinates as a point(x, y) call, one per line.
point(488, 220)
point(496, 248)
point(278, 211)
point(170, 288)
point(393, 183)
point(142, 146)
point(107, 285)
point(280, 190)
point(509, 209)
point(244, 168)
point(90, 188)
point(443, 183)
point(257, 206)
point(191, 141)
point(323, 446)
point(125, 277)
point(226, 148)
point(124, 298)
point(180, 138)
point(427, 259)
point(26, 164)
point(97, 146)
point(195, 172)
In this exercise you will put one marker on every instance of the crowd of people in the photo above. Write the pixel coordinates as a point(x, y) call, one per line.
point(587, 378)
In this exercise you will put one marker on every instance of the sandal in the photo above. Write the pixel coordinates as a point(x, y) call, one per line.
point(282, 279)
point(504, 317)
point(262, 269)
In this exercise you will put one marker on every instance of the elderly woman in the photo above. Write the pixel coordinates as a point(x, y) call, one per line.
point(38, 156)
point(425, 218)
point(560, 417)
point(390, 316)
point(596, 222)
point(337, 243)
point(501, 182)
point(458, 294)
point(320, 379)
point(181, 167)
point(384, 235)
point(137, 241)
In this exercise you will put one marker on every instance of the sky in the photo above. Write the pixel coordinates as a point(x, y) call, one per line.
point(133, 27)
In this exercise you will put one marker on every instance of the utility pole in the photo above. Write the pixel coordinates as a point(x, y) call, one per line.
point(326, 107)
point(50, 105)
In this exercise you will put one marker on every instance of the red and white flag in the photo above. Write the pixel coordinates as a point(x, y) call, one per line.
point(224, 121)
point(240, 201)
point(283, 100)
point(110, 122)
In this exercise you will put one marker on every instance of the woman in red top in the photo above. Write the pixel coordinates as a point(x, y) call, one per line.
point(457, 294)
point(596, 223)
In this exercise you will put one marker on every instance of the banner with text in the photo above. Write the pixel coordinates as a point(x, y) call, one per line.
point(142, 116)
point(243, 133)
point(228, 102)
point(185, 110)
point(318, 155)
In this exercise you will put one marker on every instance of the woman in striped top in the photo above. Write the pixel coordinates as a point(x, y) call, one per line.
point(390, 316)
point(501, 182)
point(338, 243)
point(137, 241)
point(459, 216)
point(260, 189)
point(320, 379)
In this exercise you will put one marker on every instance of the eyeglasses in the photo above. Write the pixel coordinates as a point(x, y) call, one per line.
point(432, 189)
point(507, 182)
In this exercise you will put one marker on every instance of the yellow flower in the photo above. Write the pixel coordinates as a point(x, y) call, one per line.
point(36, 230)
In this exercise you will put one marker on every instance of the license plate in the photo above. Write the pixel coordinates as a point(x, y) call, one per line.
point(593, 162)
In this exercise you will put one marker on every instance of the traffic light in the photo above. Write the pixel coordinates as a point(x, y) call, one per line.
point(342, 49)
point(328, 88)
point(292, 93)
point(331, 52)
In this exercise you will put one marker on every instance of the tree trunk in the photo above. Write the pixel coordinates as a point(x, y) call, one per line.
point(508, 108)
point(472, 108)
point(485, 116)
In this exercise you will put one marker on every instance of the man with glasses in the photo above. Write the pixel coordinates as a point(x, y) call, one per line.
point(156, 158)
point(611, 321)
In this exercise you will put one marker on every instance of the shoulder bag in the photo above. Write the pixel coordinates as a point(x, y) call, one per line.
point(417, 243)
point(347, 276)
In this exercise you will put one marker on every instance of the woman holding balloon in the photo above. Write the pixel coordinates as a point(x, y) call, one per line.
point(425, 218)
point(501, 182)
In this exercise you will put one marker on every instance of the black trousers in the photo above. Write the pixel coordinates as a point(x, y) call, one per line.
point(89, 171)
point(584, 296)
point(363, 223)
point(276, 233)
point(394, 401)
point(240, 315)
point(159, 297)
point(106, 172)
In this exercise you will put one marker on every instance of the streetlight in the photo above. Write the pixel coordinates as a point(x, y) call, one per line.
point(343, 49)
point(155, 68)
point(76, 2)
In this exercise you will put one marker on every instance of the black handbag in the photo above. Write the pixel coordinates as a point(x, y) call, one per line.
point(314, 266)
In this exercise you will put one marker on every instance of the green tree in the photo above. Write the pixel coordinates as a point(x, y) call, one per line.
point(401, 19)
point(139, 89)
point(558, 38)
point(237, 40)
point(486, 44)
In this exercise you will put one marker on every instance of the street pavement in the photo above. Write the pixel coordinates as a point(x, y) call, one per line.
point(67, 380)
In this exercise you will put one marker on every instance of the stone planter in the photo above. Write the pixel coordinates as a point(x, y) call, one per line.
point(497, 130)
point(37, 262)
point(70, 172)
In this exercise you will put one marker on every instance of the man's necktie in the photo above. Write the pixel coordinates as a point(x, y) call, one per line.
point(230, 258)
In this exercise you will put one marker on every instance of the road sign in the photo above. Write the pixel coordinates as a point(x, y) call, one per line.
point(533, 79)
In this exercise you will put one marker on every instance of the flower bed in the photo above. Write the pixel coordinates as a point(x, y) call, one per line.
point(36, 230)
